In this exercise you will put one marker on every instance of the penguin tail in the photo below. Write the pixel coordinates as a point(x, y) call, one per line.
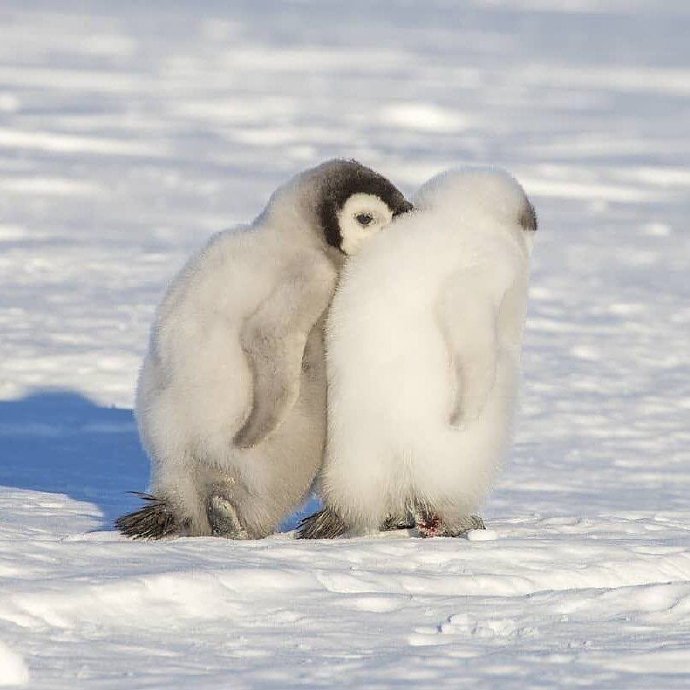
point(326, 524)
point(155, 520)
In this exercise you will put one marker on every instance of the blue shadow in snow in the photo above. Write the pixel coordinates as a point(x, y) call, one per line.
point(62, 442)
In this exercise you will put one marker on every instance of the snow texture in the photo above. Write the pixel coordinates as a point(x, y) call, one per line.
point(132, 131)
point(13, 670)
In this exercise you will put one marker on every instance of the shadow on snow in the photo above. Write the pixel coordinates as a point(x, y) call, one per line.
point(62, 442)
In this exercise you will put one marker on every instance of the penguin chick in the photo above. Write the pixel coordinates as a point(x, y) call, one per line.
point(231, 399)
point(423, 344)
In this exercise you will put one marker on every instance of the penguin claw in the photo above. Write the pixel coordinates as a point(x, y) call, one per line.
point(155, 520)
point(325, 524)
point(475, 522)
point(393, 522)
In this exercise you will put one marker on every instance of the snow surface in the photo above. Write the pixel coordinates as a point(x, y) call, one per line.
point(130, 131)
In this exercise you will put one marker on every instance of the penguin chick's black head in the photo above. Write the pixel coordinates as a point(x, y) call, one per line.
point(343, 180)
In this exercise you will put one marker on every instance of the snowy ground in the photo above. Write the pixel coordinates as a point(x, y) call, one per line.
point(129, 133)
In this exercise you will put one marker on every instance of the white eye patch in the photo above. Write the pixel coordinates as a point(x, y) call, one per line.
point(361, 217)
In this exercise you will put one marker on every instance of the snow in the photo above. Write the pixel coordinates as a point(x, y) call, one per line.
point(130, 132)
point(13, 670)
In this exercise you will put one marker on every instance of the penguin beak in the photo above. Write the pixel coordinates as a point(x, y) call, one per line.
point(405, 207)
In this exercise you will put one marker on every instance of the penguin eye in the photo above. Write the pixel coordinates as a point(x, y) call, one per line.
point(364, 219)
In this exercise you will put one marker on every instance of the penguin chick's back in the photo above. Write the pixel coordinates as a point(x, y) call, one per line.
point(391, 389)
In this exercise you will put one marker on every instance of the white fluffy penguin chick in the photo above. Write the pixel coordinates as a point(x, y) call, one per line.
point(231, 400)
point(423, 353)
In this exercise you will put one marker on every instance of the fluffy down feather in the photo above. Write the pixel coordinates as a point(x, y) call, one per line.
point(231, 402)
point(423, 349)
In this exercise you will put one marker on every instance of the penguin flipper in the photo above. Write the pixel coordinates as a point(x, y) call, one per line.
point(274, 339)
point(468, 322)
point(276, 368)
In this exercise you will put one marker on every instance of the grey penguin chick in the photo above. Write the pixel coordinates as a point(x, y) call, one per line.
point(423, 342)
point(231, 398)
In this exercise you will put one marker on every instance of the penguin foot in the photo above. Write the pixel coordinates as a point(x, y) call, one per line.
point(155, 520)
point(393, 522)
point(326, 524)
point(223, 519)
point(467, 524)
point(431, 525)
